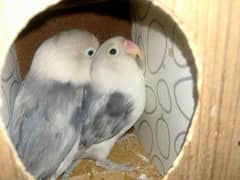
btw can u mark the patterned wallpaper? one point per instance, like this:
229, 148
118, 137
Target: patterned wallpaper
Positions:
170, 84
11, 80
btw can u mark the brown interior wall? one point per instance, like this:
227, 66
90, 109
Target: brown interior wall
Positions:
105, 19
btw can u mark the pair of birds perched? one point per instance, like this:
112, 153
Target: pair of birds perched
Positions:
76, 101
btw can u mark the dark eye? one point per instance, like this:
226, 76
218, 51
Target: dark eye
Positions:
90, 52
113, 51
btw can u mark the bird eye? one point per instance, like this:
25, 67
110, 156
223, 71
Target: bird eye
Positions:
113, 51
90, 52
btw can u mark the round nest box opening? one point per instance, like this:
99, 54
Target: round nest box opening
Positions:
169, 68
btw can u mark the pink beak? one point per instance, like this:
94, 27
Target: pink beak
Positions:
132, 49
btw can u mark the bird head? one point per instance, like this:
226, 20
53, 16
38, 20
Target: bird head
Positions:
118, 48
65, 57
116, 61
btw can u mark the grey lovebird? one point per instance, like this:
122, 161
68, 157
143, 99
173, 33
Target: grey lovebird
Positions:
113, 102
45, 127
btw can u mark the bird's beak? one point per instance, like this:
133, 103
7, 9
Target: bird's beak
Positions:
132, 49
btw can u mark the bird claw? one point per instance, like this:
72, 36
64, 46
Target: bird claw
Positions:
70, 169
65, 175
110, 165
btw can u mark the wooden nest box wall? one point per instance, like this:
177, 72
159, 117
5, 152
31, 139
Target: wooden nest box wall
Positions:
190, 126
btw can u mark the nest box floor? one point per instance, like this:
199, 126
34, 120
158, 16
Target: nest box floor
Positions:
127, 150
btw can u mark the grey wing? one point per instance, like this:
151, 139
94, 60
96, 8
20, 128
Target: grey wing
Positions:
44, 128
106, 117
21, 100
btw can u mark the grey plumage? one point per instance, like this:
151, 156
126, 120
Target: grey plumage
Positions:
105, 116
42, 121
45, 128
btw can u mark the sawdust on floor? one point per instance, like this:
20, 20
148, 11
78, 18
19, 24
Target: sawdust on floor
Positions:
127, 150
